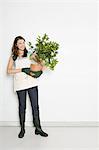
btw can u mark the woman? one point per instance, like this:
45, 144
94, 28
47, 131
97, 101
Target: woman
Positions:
24, 83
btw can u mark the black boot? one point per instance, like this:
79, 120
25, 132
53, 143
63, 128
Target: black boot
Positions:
38, 129
41, 132
22, 124
21, 134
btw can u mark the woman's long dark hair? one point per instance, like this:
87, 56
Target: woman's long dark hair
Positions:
15, 48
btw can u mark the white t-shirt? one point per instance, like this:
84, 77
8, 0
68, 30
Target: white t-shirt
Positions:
21, 79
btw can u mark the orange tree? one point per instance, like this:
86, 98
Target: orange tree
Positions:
46, 50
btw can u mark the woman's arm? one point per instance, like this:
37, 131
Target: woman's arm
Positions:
10, 69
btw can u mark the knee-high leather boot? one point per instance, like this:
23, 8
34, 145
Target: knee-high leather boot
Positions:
22, 124
37, 124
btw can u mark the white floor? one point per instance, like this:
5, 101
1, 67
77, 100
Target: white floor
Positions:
60, 138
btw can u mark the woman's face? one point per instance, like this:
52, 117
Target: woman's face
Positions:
21, 44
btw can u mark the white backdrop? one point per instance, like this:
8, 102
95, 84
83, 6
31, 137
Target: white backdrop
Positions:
70, 92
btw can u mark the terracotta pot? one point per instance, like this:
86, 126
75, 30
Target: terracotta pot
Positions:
36, 67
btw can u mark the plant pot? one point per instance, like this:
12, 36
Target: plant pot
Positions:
36, 67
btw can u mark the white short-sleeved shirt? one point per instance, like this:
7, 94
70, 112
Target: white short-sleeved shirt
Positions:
21, 79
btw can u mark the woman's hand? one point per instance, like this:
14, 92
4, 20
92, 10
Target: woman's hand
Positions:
44, 68
39, 61
34, 57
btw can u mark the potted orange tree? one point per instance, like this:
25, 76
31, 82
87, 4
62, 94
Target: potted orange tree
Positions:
44, 54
